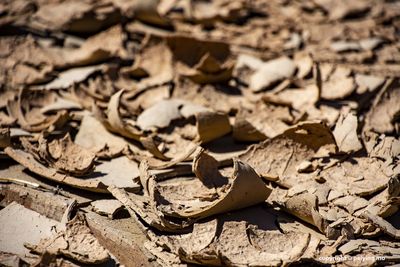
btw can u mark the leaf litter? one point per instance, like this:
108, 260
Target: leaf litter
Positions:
227, 133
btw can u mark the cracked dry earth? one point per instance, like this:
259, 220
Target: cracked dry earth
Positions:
196, 132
